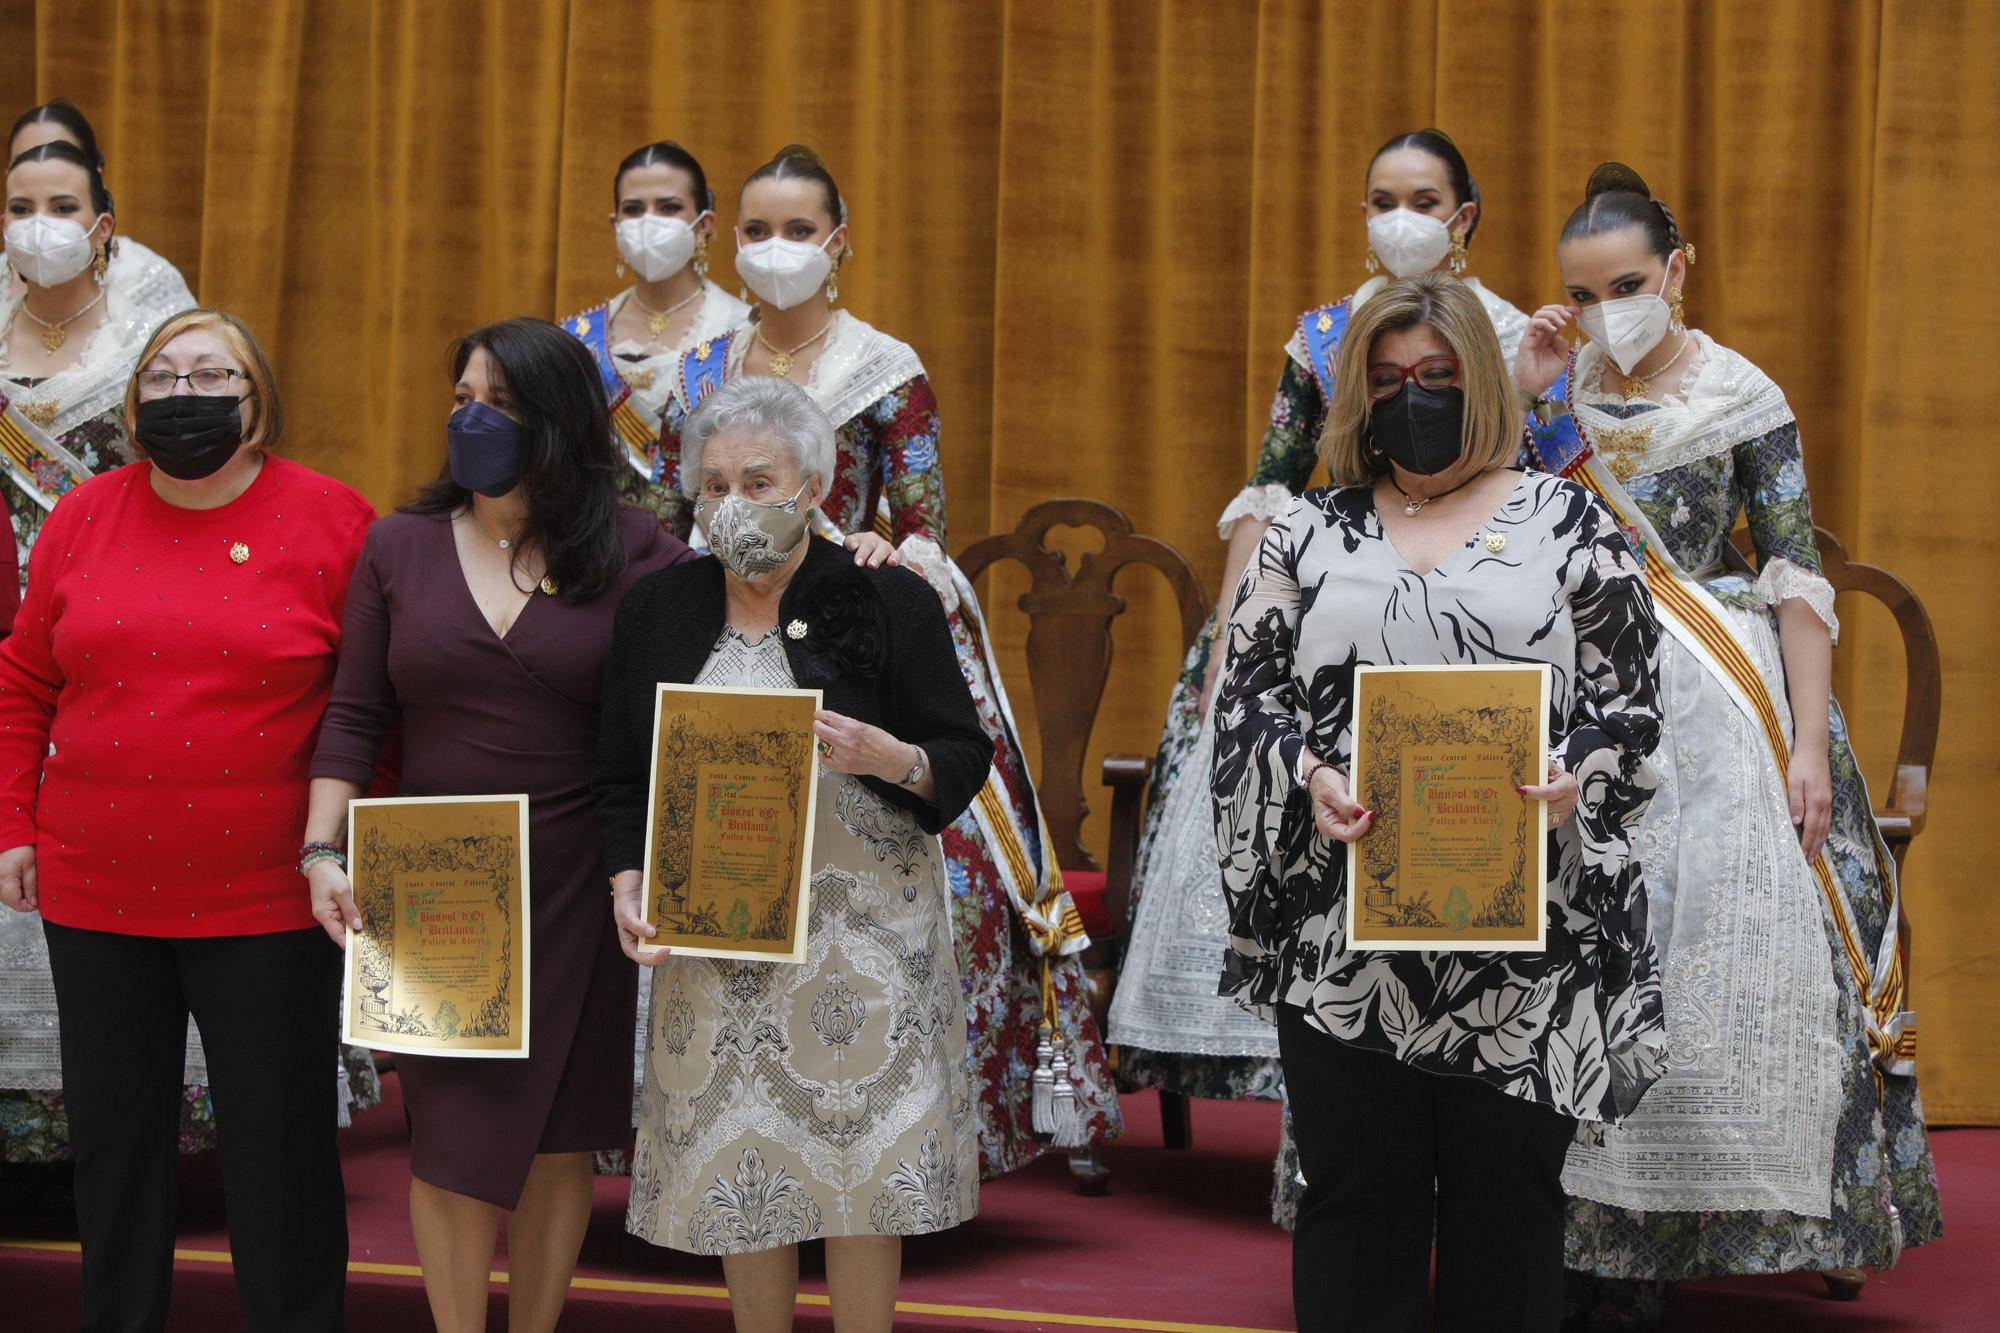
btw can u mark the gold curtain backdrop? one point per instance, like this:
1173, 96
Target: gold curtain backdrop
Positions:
1097, 220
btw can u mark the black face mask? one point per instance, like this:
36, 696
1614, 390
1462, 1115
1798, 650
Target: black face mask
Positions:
485, 450
1420, 430
190, 435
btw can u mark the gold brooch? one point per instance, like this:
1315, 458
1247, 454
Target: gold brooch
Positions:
582, 326
701, 350
238, 552
796, 630
549, 585
1496, 542
1325, 321
638, 378
44, 413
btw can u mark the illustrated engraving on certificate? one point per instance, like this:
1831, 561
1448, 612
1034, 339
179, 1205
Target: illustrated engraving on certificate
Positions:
729, 821
1455, 857
439, 965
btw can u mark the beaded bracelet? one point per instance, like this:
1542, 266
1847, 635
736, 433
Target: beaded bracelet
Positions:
313, 853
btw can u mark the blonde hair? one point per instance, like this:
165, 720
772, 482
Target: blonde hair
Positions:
1492, 417
269, 421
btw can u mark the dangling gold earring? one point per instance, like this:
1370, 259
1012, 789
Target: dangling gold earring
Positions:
1675, 311
621, 270
1371, 263
1687, 248
102, 262
1457, 252
743, 292
833, 282
701, 259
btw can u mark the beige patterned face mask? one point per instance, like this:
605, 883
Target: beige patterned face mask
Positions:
752, 539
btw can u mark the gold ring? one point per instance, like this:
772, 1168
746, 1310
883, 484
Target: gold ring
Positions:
824, 748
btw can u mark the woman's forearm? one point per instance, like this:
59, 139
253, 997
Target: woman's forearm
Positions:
1808, 650
326, 809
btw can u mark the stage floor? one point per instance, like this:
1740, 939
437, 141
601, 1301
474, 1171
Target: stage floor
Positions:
1181, 1245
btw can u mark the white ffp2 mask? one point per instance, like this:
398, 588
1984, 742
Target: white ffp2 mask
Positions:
656, 247
1628, 327
1407, 242
48, 251
784, 272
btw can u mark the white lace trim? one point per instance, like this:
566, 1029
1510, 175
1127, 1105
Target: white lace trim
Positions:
95, 384
923, 556
1263, 503
1509, 324
1724, 400
859, 365
1783, 580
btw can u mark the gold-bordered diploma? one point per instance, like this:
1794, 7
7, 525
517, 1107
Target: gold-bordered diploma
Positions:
439, 964
729, 821
1456, 857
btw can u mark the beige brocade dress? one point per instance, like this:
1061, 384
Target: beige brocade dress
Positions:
785, 1103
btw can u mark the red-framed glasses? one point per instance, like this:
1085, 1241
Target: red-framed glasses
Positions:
1386, 378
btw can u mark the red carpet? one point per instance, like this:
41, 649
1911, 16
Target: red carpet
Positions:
1182, 1243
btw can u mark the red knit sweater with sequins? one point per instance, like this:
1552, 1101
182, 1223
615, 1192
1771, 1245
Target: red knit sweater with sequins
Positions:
161, 694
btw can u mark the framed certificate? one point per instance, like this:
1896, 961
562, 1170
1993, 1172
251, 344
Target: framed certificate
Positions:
1456, 858
439, 964
729, 821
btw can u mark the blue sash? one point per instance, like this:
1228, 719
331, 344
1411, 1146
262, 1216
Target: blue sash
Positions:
1558, 446
1321, 329
592, 328
702, 369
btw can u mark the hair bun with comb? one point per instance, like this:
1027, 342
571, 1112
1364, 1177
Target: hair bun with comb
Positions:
1611, 176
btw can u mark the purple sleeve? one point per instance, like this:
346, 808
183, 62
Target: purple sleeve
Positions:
362, 710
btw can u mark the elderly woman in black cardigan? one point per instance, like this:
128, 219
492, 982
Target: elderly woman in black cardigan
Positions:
831, 1099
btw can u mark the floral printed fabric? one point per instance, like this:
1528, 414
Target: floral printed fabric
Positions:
1884, 1184
1577, 1027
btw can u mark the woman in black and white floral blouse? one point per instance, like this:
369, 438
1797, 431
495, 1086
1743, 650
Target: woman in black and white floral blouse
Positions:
1465, 1071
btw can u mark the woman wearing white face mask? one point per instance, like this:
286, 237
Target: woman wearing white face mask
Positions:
67, 341
139, 274
1016, 925
1422, 208
663, 221
1787, 1133
741, 1152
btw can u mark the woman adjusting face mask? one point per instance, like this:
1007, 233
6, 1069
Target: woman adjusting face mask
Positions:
1628, 327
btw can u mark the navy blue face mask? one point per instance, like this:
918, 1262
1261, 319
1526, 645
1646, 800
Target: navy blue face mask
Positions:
486, 450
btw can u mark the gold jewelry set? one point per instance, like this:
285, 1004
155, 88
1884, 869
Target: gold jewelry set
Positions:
656, 320
782, 360
55, 332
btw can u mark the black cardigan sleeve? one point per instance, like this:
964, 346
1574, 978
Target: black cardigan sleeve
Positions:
624, 734
926, 702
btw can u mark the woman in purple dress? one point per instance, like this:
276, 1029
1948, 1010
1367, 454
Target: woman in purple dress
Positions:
479, 619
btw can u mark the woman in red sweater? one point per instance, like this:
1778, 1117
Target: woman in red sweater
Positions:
159, 699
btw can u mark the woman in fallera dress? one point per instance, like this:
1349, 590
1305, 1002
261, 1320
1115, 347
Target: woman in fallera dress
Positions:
145, 278
1787, 1133
1014, 922
663, 224
1174, 1032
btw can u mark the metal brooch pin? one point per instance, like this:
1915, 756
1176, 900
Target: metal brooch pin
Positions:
238, 552
796, 630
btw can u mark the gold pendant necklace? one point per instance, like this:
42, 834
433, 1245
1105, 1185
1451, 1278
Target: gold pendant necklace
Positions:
656, 320
1637, 388
53, 334
782, 362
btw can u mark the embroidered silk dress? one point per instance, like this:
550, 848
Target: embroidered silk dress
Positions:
638, 379
1008, 904
1765, 1147
785, 1103
1175, 1032
1577, 1026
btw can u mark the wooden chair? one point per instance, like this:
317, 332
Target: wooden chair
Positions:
1901, 817
1070, 614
